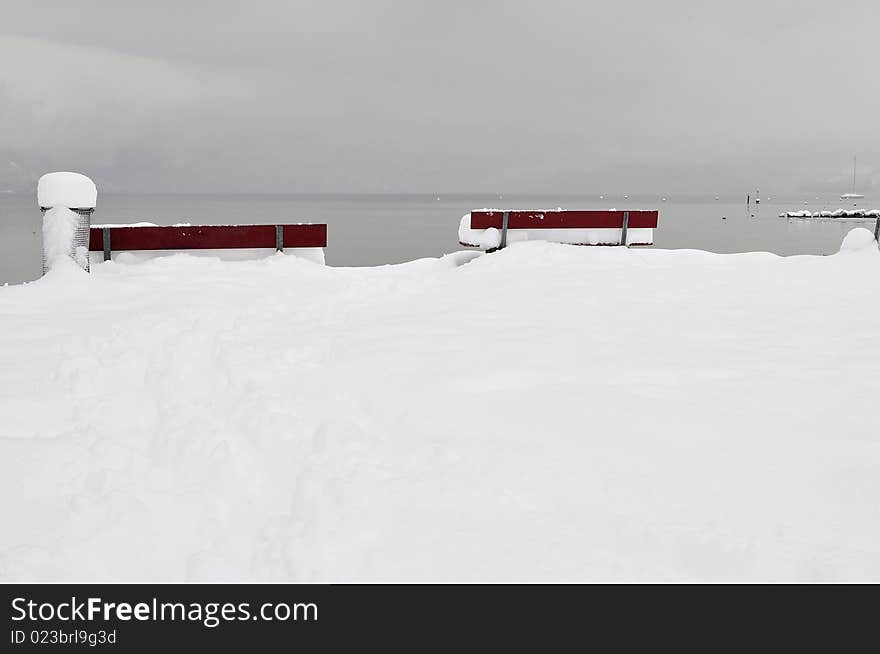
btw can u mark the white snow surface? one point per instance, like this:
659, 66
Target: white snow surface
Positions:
64, 189
547, 412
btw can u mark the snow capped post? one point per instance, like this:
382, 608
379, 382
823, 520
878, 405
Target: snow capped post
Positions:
67, 201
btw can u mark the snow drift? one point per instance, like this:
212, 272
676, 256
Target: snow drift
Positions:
544, 413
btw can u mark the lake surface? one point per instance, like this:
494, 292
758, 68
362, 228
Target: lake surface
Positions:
367, 230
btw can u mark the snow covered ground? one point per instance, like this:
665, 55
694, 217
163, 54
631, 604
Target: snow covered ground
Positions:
547, 412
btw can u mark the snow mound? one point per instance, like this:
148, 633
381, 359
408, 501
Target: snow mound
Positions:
857, 240
543, 413
71, 190
481, 238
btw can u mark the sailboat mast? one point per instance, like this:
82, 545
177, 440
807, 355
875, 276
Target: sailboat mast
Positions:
854, 174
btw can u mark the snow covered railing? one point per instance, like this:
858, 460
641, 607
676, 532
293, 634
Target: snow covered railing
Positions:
492, 229
224, 241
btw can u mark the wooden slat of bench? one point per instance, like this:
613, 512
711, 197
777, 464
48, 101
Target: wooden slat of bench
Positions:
208, 237
564, 219
305, 236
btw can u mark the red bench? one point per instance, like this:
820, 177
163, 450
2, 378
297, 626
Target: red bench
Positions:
580, 226
206, 237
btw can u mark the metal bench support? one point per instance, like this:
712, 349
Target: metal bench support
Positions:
625, 227
279, 238
105, 232
504, 220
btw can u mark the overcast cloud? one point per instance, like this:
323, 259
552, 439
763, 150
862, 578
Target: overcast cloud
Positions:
417, 95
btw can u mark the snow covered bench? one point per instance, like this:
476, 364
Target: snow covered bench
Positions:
231, 242
491, 229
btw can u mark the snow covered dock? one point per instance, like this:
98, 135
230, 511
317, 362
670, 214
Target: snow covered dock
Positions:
837, 213
543, 413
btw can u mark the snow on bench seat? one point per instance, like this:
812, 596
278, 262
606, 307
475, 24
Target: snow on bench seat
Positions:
482, 228
228, 242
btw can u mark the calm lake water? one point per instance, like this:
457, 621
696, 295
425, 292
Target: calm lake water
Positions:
367, 230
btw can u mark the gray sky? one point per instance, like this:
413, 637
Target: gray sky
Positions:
419, 95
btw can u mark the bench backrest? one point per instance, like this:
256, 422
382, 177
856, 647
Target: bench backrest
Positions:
563, 219
207, 237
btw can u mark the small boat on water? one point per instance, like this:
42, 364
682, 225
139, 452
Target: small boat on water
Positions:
853, 195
